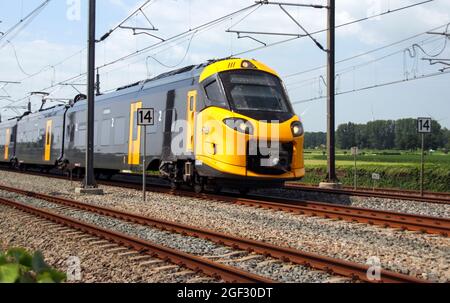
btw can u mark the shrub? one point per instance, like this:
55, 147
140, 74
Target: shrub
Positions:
18, 266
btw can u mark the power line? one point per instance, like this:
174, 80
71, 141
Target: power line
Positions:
139, 9
197, 29
181, 35
360, 65
365, 53
375, 86
337, 26
16, 28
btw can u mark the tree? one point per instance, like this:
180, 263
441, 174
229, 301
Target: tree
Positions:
406, 136
346, 135
381, 134
315, 139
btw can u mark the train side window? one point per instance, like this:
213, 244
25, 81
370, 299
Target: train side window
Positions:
191, 103
119, 131
106, 132
214, 94
135, 127
81, 134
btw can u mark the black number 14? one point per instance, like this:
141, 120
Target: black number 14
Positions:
425, 124
148, 117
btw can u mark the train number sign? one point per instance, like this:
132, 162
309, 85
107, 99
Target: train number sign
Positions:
146, 117
424, 125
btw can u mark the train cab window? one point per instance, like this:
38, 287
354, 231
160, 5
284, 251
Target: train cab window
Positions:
214, 94
249, 90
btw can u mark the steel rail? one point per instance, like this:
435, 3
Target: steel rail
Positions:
405, 221
441, 198
331, 265
195, 263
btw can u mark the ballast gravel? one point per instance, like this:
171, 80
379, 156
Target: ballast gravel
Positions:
256, 264
97, 264
420, 255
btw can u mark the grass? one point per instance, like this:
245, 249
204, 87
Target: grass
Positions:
398, 169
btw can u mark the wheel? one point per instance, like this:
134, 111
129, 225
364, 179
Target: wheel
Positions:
198, 188
175, 185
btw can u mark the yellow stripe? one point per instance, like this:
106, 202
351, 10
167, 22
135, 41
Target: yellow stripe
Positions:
191, 120
232, 64
48, 140
134, 146
7, 141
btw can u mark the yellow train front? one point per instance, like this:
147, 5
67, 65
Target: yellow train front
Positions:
247, 135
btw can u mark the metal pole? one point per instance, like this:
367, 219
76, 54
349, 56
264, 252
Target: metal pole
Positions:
144, 166
90, 178
422, 166
355, 171
331, 167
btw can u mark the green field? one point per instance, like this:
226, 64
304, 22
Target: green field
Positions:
398, 169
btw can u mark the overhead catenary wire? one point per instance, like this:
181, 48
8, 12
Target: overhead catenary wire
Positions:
375, 86
212, 23
366, 52
363, 64
16, 28
158, 44
390, 11
139, 9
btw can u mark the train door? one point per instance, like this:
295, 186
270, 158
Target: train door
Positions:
7, 142
190, 117
134, 142
48, 140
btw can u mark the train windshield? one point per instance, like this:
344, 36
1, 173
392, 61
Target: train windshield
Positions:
249, 90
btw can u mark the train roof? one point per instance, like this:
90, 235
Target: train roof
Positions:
184, 73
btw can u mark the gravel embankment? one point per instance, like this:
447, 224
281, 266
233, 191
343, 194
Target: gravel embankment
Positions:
258, 264
99, 262
420, 255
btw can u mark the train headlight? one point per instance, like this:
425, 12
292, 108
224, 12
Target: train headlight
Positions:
297, 129
239, 125
247, 64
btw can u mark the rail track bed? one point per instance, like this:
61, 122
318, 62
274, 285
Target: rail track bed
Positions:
329, 265
412, 253
96, 260
411, 222
195, 263
429, 197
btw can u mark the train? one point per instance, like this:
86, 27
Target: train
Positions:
222, 123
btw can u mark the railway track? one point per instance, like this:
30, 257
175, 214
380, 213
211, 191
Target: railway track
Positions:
195, 263
404, 221
441, 198
383, 218
323, 263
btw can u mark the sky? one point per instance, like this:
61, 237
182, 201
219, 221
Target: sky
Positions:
60, 32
